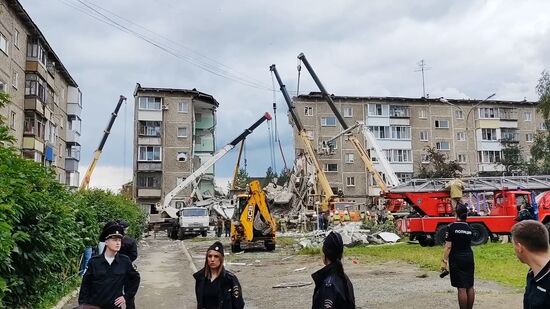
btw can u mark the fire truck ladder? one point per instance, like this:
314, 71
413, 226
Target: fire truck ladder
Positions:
477, 184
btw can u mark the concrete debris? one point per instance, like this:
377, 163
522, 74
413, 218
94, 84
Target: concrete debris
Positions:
291, 285
352, 235
287, 258
236, 264
300, 269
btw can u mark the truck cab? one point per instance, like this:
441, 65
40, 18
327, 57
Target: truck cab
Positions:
193, 221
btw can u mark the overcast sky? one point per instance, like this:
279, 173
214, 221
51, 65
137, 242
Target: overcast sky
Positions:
362, 48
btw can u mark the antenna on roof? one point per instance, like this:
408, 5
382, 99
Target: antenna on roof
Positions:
421, 68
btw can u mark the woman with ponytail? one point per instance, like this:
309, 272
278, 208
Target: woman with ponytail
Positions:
333, 289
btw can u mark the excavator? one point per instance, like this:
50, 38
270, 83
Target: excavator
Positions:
252, 220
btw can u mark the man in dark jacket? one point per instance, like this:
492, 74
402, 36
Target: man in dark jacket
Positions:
333, 289
110, 279
129, 245
216, 287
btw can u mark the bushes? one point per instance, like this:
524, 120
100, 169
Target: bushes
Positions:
44, 228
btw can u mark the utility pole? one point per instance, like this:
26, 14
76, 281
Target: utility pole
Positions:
422, 67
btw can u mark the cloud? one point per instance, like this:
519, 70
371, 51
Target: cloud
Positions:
108, 177
358, 48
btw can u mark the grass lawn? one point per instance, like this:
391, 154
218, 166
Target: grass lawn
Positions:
495, 262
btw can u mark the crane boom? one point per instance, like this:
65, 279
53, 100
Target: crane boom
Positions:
203, 168
322, 177
356, 143
86, 181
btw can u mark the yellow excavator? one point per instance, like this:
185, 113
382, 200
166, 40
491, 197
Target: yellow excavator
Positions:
252, 221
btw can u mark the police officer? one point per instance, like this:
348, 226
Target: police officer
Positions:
129, 245
459, 257
215, 287
333, 289
110, 279
530, 239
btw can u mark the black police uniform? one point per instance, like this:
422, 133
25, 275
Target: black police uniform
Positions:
537, 290
331, 291
103, 283
223, 293
461, 257
129, 248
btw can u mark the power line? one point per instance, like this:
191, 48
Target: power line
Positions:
213, 69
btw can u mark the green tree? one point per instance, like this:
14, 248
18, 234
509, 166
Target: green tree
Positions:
284, 177
439, 166
512, 158
269, 175
5, 133
540, 150
242, 179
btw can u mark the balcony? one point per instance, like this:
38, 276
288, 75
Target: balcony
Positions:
143, 193
72, 179
33, 143
509, 138
72, 136
204, 143
33, 65
74, 109
71, 165
74, 96
397, 111
149, 166
35, 104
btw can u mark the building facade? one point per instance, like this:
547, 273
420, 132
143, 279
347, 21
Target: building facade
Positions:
45, 102
468, 131
174, 133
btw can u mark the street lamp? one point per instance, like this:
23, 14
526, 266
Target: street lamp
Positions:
443, 100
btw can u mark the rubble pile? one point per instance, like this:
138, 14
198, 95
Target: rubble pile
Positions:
352, 235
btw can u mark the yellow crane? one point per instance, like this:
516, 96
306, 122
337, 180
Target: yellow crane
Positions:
86, 180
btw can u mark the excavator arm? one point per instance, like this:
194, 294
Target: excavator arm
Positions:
257, 200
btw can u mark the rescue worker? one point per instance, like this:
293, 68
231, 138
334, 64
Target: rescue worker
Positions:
455, 186
110, 280
227, 225
336, 218
216, 287
530, 239
282, 223
458, 258
333, 289
347, 217
390, 216
219, 227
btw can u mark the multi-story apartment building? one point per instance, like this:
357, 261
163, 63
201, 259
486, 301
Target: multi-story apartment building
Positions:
468, 131
45, 102
174, 133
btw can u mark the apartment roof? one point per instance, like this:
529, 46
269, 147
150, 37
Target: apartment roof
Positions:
317, 96
197, 94
35, 32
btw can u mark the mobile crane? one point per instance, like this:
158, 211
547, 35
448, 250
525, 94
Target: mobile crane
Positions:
365, 157
328, 194
86, 180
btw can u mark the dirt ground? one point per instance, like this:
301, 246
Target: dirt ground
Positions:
167, 281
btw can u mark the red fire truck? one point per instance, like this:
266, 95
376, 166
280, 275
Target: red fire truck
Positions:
495, 205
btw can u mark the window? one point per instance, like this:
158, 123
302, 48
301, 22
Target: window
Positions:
488, 112
148, 181
424, 158
422, 114
182, 132
198, 117
459, 114
3, 43
398, 155
489, 134
443, 145
331, 167
460, 136
349, 157
35, 50
149, 153
529, 137
376, 110
328, 121
442, 124
399, 111
149, 128
16, 39
404, 177
181, 156
527, 116
350, 181
348, 112
12, 120
380, 132
401, 133
2, 86
15, 81
424, 136
308, 111
332, 145
542, 126
150, 103
183, 107
489, 156
310, 135
461, 158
